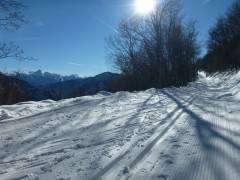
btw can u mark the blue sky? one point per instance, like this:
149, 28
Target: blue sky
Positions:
68, 36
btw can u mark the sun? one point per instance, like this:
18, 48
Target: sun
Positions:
145, 6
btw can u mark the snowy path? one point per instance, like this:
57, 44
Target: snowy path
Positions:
187, 133
203, 144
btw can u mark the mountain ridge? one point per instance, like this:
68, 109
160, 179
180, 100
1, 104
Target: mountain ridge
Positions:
85, 86
39, 78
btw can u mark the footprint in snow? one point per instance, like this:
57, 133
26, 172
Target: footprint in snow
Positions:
174, 141
149, 163
169, 162
164, 156
8, 138
175, 146
79, 146
162, 176
191, 153
46, 168
143, 170
193, 135
126, 170
74, 140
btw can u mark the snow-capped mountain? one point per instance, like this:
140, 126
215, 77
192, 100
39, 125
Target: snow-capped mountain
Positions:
84, 86
39, 78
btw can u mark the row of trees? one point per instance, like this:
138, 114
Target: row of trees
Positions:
224, 42
155, 51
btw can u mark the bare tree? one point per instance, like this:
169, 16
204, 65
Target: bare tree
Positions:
156, 51
124, 50
11, 19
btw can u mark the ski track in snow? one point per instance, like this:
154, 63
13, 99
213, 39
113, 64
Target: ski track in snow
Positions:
187, 133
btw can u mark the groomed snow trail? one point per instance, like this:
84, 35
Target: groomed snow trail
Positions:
187, 133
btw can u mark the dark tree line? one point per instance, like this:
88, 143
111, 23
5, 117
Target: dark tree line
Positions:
159, 50
224, 42
11, 90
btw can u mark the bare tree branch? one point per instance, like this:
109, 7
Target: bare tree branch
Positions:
13, 51
11, 17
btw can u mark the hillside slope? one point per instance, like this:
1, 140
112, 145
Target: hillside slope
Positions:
187, 133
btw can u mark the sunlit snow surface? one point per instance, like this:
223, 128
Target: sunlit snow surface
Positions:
187, 133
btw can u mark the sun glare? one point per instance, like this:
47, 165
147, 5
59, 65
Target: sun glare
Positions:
145, 6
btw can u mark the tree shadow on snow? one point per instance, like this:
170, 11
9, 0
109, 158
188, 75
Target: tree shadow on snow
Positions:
219, 148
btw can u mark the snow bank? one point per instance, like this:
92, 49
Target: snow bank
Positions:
4, 114
25, 109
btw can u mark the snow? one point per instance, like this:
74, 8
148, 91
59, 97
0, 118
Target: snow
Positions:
183, 133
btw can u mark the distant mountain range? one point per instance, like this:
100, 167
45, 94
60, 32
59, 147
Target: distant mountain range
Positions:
84, 86
37, 85
39, 78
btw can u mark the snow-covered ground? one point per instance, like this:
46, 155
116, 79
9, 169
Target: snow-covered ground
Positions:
187, 133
